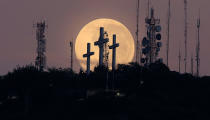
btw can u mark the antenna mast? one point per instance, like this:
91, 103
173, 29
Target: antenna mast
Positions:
168, 32
185, 34
198, 46
72, 51
40, 62
179, 60
137, 33
192, 64
148, 8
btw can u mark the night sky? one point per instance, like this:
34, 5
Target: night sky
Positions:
65, 18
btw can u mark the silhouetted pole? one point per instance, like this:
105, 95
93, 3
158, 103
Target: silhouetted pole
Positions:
72, 49
137, 34
100, 43
148, 8
179, 57
198, 47
168, 32
87, 55
185, 34
192, 64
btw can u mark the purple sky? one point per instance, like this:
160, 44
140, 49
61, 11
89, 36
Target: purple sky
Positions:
65, 18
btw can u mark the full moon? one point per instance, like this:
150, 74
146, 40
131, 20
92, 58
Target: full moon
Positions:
90, 34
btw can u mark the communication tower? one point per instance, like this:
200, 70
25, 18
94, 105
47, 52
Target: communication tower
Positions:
41, 46
151, 44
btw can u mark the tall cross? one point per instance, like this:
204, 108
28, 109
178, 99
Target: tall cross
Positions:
100, 43
87, 55
113, 47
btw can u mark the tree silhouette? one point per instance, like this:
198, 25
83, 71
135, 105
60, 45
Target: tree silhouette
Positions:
149, 92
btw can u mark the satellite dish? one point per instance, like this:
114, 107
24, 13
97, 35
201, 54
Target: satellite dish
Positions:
145, 42
149, 34
145, 50
143, 60
158, 28
160, 60
158, 36
158, 50
148, 48
149, 27
159, 44
148, 21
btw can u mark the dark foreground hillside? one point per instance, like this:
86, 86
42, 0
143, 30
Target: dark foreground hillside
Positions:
133, 93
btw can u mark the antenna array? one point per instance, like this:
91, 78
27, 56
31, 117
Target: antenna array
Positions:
151, 44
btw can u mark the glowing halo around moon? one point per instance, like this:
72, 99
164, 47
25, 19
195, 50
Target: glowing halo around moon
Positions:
90, 33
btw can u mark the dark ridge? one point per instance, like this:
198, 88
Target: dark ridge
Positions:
133, 93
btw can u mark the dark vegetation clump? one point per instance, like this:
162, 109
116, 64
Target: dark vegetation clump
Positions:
131, 92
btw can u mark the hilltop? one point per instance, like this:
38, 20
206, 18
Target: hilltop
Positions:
152, 92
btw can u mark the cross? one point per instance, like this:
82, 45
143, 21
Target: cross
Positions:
87, 55
113, 47
100, 43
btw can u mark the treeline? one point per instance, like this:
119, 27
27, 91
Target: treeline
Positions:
152, 92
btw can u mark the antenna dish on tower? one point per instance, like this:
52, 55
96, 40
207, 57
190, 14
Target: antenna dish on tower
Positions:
158, 28
158, 36
159, 44
145, 42
143, 60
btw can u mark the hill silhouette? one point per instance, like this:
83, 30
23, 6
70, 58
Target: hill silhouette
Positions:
132, 92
